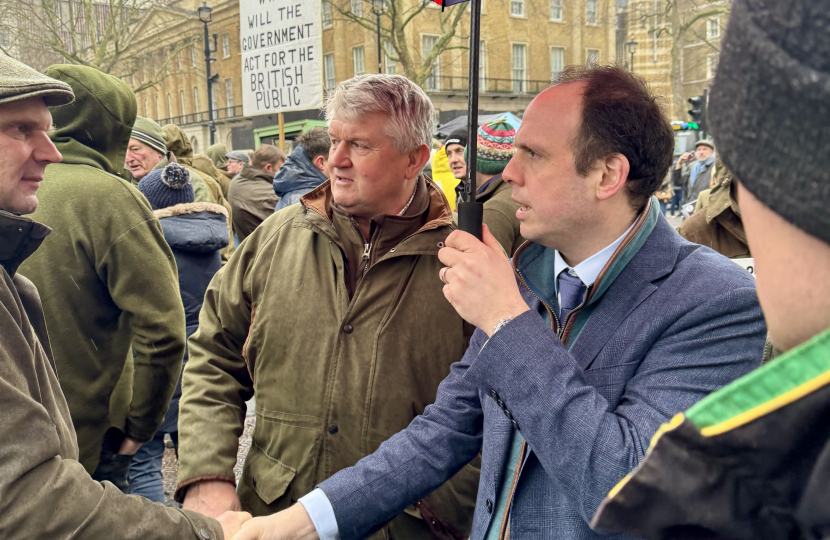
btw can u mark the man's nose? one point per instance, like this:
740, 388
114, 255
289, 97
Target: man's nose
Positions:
338, 157
45, 150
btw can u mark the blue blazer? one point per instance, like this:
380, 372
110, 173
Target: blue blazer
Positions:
677, 323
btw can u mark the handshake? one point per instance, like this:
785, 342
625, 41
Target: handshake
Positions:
219, 500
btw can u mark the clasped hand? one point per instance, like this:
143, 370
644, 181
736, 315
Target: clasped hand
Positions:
479, 280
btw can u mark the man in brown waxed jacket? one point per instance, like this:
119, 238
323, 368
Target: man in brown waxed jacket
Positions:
45, 493
331, 314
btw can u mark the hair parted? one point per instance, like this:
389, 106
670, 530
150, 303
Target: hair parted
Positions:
315, 142
620, 115
411, 114
265, 154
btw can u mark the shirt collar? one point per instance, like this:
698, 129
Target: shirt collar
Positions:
589, 269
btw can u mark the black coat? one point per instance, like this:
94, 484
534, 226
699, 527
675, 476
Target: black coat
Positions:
196, 232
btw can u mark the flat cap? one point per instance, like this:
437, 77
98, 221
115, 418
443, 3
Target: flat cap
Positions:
18, 82
705, 142
239, 155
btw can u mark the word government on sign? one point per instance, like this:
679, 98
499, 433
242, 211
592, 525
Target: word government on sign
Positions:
281, 60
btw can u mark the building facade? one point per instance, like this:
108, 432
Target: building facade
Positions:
678, 43
524, 44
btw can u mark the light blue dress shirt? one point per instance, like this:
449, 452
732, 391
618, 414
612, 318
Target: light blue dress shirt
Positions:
317, 504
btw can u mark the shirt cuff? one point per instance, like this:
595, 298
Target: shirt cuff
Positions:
322, 514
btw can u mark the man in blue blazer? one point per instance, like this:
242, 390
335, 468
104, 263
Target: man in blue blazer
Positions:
605, 325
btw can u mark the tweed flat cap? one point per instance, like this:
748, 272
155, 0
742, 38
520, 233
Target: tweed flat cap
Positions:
770, 105
239, 155
18, 82
705, 142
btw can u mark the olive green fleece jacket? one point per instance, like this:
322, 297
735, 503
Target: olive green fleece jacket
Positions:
44, 492
106, 275
333, 377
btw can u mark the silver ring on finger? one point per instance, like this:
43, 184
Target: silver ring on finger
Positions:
442, 274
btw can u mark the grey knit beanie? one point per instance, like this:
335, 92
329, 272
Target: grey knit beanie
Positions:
769, 108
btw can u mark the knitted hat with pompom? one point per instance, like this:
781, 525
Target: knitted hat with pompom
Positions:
167, 187
495, 146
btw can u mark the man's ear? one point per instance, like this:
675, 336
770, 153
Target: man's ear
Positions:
614, 170
417, 159
320, 163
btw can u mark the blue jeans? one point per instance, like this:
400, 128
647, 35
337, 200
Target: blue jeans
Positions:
676, 201
145, 469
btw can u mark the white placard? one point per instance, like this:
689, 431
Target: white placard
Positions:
746, 264
282, 55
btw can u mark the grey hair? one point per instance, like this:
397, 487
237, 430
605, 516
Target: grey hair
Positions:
411, 114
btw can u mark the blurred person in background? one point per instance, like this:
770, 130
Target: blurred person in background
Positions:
251, 192
196, 232
305, 168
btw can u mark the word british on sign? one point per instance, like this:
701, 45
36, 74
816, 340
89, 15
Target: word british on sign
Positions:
281, 55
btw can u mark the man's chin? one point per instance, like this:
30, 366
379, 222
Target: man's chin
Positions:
26, 205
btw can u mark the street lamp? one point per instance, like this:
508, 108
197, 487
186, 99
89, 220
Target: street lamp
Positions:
630, 48
204, 15
377, 9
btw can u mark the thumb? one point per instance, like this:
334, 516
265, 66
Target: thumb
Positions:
490, 241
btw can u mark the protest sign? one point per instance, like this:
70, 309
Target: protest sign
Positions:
281, 43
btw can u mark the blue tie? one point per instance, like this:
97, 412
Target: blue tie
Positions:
571, 294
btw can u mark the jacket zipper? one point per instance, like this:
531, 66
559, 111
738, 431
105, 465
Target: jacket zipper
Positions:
367, 245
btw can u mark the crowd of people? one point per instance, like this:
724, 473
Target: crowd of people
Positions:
584, 371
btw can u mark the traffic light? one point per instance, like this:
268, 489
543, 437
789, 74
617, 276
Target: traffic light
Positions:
698, 112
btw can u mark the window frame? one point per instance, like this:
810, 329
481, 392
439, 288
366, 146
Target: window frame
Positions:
522, 89
595, 21
561, 11
354, 60
558, 48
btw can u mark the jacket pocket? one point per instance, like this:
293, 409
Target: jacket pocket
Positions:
268, 477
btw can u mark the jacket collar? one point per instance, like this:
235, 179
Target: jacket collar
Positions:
250, 172
647, 254
316, 205
19, 238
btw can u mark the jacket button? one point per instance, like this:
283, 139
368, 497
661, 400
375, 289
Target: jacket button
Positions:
489, 505
333, 429
204, 533
493, 394
348, 329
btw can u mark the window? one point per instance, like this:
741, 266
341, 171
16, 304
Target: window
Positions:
195, 99
359, 61
517, 8
229, 94
226, 45
214, 101
591, 12
357, 8
192, 56
713, 28
179, 60
327, 14
482, 67
557, 61
592, 57
519, 68
132, 79
181, 99
711, 65
556, 10
146, 110
434, 80
156, 99
391, 65
169, 106
328, 65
